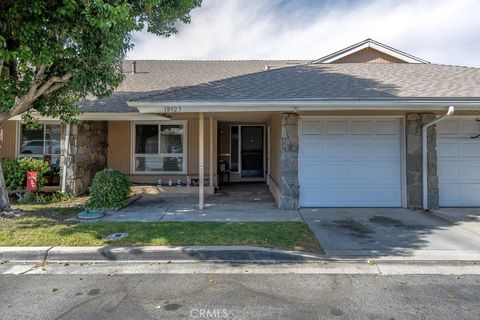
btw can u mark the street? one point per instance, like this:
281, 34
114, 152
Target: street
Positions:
239, 296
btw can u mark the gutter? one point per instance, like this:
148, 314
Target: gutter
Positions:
425, 127
185, 106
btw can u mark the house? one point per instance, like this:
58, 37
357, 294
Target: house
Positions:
341, 131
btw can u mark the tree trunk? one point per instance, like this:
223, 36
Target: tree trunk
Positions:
4, 201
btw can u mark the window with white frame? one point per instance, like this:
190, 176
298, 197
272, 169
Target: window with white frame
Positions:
159, 148
41, 142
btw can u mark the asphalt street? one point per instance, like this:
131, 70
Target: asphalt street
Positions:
239, 296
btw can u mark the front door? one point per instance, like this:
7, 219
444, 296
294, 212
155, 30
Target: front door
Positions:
251, 150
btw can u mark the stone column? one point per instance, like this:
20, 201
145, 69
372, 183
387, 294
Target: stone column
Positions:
413, 131
88, 154
289, 187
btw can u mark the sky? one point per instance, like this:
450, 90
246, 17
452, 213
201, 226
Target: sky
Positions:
439, 31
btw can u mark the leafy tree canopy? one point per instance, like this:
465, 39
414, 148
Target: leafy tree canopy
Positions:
56, 52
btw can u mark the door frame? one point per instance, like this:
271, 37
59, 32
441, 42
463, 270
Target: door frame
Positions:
239, 172
403, 153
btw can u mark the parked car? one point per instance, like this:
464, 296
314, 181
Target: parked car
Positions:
36, 147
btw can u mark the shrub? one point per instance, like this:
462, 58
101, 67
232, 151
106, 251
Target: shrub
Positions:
15, 172
43, 198
110, 190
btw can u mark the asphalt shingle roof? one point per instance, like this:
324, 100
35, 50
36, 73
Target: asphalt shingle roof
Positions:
286, 80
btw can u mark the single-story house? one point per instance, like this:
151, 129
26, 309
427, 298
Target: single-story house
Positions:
341, 131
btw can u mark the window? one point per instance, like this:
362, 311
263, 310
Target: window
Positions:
159, 148
42, 143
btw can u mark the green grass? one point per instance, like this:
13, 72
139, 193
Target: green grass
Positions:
48, 231
57, 210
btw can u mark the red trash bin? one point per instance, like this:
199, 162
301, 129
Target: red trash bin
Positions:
32, 181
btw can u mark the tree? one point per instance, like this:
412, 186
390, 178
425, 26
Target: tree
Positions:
54, 53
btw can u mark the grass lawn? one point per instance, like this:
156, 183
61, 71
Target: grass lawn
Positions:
45, 226
58, 210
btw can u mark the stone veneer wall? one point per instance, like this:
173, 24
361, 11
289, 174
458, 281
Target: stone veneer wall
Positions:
88, 154
289, 187
413, 131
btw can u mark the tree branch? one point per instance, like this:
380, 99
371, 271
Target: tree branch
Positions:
55, 87
25, 102
50, 82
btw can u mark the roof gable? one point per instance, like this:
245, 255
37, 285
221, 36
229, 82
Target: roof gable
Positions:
370, 50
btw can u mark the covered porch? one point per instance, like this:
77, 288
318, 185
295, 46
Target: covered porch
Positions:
221, 149
235, 202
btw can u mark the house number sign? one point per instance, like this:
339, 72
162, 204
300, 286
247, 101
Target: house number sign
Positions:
172, 109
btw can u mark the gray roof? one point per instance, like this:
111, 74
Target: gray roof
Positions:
287, 80
155, 76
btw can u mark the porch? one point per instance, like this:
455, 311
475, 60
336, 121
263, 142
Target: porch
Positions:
236, 202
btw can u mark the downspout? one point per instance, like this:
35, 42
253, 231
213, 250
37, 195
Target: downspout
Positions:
449, 113
65, 158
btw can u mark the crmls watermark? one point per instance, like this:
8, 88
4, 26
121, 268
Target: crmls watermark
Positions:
199, 313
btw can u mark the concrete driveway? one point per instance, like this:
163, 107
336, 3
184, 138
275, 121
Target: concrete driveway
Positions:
391, 233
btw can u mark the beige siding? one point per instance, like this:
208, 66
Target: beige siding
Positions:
275, 165
369, 55
7, 148
119, 145
192, 147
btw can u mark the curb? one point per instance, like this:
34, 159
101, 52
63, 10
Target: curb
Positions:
156, 253
24, 253
193, 254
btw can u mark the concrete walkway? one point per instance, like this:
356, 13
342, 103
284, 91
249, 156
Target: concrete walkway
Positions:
149, 209
234, 203
390, 233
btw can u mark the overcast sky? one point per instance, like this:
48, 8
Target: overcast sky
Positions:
440, 31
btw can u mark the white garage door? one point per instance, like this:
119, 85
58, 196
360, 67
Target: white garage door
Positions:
350, 162
458, 162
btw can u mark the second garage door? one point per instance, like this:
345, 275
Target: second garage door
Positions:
458, 150
350, 162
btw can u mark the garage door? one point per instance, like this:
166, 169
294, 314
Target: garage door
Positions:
350, 162
458, 162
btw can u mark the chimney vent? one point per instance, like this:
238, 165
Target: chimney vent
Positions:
134, 67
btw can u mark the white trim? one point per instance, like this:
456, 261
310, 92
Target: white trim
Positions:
349, 117
18, 130
304, 105
184, 155
369, 43
403, 169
